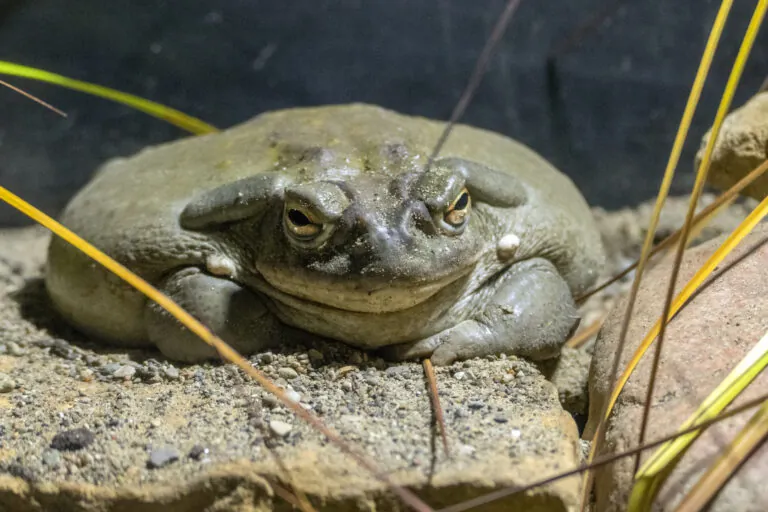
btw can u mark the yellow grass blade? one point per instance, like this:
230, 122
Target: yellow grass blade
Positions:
751, 436
224, 350
657, 467
674, 157
176, 118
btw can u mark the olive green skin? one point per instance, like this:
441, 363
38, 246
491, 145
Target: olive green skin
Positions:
203, 219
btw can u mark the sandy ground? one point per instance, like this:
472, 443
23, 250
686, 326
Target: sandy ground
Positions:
76, 413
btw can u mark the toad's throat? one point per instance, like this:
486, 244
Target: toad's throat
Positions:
352, 295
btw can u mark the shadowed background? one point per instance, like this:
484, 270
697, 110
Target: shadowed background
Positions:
605, 111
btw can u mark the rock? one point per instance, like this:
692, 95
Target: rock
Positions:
111, 368
394, 427
703, 343
315, 356
14, 349
293, 396
280, 428
569, 375
72, 440
162, 456
171, 373
198, 451
51, 458
7, 384
287, 373
124, 372
741, 146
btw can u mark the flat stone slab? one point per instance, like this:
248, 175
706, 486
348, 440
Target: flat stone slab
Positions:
136, 432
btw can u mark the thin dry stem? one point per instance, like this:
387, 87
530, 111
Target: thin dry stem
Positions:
733, 456
429, 370
581, 337
33, 98
702, 217
476, 77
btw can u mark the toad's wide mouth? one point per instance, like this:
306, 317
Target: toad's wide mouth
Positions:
358, 294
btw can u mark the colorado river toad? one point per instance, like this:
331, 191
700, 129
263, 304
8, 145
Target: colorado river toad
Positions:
323, 222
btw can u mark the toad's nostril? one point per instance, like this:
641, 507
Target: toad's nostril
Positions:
416, 217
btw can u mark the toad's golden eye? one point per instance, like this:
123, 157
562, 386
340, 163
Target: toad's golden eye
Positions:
300, 224
458, 211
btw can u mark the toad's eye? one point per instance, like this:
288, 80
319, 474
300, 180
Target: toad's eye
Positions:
458, 211
300, 224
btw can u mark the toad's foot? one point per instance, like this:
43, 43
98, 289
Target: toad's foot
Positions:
531, 315
235, 314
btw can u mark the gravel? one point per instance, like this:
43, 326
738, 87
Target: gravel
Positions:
83, 412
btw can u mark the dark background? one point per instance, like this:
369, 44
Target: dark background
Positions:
609, 124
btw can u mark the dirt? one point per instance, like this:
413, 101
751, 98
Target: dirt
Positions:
86, 427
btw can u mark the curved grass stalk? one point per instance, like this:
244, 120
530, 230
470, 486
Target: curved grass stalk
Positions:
674, 157
224, 350
735, 454
657, 467
170, 115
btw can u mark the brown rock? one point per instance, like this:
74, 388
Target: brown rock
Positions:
703, 343
742, 146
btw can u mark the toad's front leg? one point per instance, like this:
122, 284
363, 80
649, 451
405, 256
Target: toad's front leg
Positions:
531, 315
235, 314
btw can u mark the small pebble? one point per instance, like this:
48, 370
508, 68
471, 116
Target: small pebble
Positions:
393, 371
7, 384
51, 458
465, 450
475, 405
15, 350
85, 375
171, 372
270, 401
315, 355
293, 396
162, 456
459, 375
198, 451
287, 373
500, 419
110, 368
280, 428
71, 440
267, 358
124, 372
